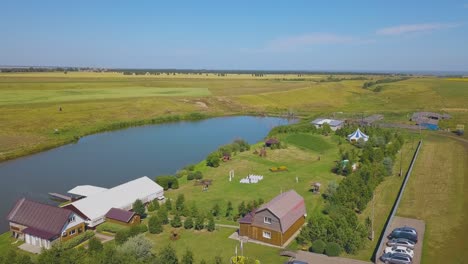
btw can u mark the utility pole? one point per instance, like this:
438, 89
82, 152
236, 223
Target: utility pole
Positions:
372, 226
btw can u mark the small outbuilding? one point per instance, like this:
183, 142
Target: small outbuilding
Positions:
357, 135
119, 216
271, 141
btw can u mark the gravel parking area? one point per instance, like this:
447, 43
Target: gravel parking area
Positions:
415, 223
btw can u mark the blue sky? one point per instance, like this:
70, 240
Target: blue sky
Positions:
288, 35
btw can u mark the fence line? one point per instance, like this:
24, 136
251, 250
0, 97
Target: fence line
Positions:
396, 204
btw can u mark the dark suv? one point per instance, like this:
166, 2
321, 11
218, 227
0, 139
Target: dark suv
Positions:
396, 258
405, 232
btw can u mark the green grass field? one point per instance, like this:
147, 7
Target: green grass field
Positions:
436, 193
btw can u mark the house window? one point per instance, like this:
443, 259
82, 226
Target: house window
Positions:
72, 232
72, 219
64, 234
267, 220
267, 234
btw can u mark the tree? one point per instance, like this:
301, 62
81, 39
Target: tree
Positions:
388, 164
211, 224
176, 221
155, 225
167, 255
194, 211
333, 249
188, 257
216, 210
188, 223
242, 209
139, 207
180, 202
95, 245
199, 222
168, 205
213, 159
229, 209
121, 236
162, 215
137, 246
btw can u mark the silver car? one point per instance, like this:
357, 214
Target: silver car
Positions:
396, 258
401, 242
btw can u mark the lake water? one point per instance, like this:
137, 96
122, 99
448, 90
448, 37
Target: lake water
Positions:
112, 158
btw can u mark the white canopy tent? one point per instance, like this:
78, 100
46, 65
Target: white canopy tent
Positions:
357, 135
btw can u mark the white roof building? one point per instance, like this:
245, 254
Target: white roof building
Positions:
95, 206
333, 123
86, 190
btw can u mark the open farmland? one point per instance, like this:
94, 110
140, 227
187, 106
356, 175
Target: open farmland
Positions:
93, 102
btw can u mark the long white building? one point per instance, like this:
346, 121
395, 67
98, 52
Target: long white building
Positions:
99, 201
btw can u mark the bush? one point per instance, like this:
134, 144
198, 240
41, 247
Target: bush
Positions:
188, 223
123, 235
73, 242
190, 176
95, 245
198, 175
213, 159
176, 221
167, 182
139, 208
190, 167
332, 249
137, 229
182, 173
318, 246
211, 224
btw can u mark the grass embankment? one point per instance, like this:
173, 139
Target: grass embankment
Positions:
436, 193
93, 102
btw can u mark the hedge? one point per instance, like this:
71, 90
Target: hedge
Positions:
73, 242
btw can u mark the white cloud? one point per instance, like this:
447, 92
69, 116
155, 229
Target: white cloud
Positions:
293, 43
414, 28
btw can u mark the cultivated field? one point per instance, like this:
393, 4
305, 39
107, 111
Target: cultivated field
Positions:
92, 102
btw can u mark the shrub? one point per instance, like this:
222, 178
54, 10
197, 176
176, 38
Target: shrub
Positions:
211, 224
332, 249
199, 223
73, 242
190, 176
198, 175
188, 223
318, 246
190, 167
176, 222
95, 245
213, 159
137, 229
167, 182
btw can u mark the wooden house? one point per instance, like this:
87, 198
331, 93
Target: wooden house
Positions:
123, 217
276, 221
43, 225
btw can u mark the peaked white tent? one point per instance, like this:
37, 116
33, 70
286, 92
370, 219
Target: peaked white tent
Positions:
356, 135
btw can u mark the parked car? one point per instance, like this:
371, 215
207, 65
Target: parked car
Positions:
296, 262
401, 242
408, 229
396, 258
400, 249
404, 232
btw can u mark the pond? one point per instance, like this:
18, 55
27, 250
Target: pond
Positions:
112, 158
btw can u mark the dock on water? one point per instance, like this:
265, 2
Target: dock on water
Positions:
59, 196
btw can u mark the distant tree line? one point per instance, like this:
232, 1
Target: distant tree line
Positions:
367, 85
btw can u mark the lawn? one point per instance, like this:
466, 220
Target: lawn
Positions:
315, 143
436, 193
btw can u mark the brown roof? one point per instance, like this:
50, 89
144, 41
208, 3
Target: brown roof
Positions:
41, 219
288, 207
248, 218
120, 215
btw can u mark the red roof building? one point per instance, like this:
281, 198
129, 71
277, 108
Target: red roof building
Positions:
120, 216
276, 221
41, 224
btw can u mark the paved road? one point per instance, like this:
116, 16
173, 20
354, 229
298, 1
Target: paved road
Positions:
420, 227
313, 258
